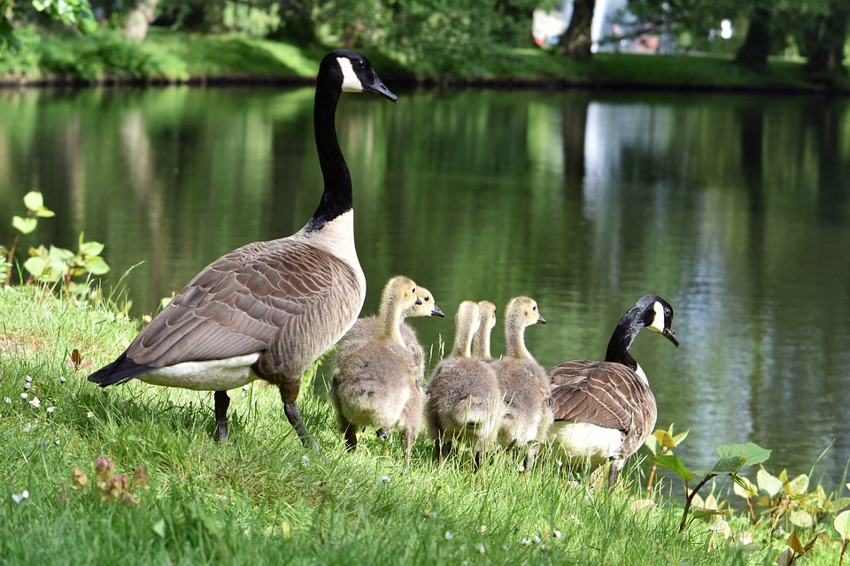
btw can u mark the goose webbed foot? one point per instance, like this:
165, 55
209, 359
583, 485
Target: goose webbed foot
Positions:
382, 433
293, 415
222, 402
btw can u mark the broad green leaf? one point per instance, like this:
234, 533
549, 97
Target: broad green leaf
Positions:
91, 248
801, 519
33, 199
842, 524
729, 465
752, 453
24, 225
652, 444
681, 436
45, 213
837, 504
36, 266
97, 266
672, 462
61, 254
770, 485
77, 288
798, 486
744, 487
665, 440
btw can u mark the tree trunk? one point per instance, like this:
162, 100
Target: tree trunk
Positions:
140, 16
577, 41
756, 47
824, 38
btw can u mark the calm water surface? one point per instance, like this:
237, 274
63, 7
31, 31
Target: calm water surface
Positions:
735, 209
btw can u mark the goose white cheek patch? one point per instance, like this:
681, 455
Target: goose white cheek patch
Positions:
350, 82
658, 322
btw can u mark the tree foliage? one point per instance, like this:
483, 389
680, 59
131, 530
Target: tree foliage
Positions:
72, 13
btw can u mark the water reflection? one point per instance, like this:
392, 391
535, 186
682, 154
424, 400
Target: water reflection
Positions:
735, 209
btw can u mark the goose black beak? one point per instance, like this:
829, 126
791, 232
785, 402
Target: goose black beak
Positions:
378, 87
540, 320
671, 336
436, 311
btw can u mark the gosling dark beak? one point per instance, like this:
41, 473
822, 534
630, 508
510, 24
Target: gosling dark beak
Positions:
418, 301
378, 87
671, 336
540, 320
437, 312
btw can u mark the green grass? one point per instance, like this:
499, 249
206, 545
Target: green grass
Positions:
167, 56
261, 497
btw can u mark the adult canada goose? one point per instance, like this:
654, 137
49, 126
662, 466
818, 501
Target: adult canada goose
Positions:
527, 414
464, 398
377, 384
268, 309
481, 339
604, 411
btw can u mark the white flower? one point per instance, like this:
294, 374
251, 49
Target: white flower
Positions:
385, 479
57, 442
62, 379
17, 498
29, 379
449, 535
24, 395
557, 533
89, 414
51, 409
480, 548
482, 529
35, 402
525, 541
521, 468
535, 538
27, 427
27, 385
7, 399
305, 460
560, 463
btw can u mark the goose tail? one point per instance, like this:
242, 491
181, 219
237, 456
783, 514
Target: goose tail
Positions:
120, 371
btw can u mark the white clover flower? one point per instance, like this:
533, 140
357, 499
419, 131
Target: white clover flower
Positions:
449, 535
17, 498
51, 409
36, 402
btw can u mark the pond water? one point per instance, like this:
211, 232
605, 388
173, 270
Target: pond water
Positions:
733, 208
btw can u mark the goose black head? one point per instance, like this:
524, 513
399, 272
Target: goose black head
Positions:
353, 72
658, 316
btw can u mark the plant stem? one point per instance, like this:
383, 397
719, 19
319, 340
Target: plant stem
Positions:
843, 550
690, 499
11, 255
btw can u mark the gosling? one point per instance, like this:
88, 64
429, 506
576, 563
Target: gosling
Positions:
527, 409
376, 384
464, 397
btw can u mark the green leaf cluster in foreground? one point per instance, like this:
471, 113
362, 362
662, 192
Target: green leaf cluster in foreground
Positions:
70, 449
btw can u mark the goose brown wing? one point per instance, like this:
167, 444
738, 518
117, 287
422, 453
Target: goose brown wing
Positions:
237, 304
605, 394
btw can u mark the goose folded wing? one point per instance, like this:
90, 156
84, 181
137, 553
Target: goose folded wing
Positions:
236, 305
599, 393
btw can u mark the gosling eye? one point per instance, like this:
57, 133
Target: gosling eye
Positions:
534, 308
427, 299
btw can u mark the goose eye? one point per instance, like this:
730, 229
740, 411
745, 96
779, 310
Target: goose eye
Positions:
667, 312
361, 63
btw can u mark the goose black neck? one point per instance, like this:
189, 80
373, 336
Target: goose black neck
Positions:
337, 197
620, 346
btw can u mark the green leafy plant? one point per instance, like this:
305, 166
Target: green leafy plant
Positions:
53, 264
733, 459
662, 442
842, 526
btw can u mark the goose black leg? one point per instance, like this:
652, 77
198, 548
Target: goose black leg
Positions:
293, 415
222, 402
614, 472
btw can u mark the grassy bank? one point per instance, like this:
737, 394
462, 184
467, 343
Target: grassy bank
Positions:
262, 497
169, 57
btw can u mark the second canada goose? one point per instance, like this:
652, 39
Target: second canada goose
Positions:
464, 398
268, 309
524, 382
481, 339
604, 411
376, 384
